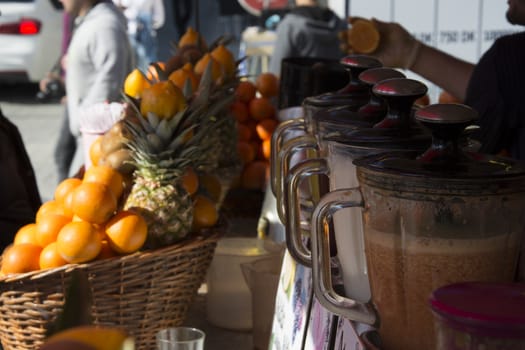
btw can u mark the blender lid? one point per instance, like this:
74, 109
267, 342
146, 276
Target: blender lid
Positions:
445, 158
482, 307
398, 129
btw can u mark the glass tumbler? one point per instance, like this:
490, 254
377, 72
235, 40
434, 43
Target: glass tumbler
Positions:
180, 338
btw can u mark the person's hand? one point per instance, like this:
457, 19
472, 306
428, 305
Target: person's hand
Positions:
397, 47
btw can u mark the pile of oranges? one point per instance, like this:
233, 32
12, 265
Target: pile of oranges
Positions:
256, 115
81, 223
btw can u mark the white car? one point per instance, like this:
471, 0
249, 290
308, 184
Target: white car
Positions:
30, 38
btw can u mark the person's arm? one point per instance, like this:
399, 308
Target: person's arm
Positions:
399, 49
444, 70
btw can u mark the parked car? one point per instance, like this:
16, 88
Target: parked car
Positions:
30, 38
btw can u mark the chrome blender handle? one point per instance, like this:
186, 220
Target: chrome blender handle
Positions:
294, 231
297, 124
320, 252
283, 165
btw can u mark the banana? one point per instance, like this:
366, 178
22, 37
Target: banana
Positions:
89, 338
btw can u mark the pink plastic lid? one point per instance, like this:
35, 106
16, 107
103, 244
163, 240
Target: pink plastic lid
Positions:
483, 309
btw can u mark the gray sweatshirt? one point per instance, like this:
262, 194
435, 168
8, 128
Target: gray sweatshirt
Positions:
307, 31
99, 58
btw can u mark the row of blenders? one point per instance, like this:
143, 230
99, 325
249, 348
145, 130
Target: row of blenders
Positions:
400, 201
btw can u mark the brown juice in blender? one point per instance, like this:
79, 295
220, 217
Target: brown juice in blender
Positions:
402, 278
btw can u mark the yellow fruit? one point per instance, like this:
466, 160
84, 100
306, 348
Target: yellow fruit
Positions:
225, 57
126, 232
163, 99
217, 69
191, 37
135, 83
89, 337
181, 75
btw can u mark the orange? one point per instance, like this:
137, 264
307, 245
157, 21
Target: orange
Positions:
126, 232
183, 74
21, 258
253, 175
67, 205
49, 207
244, 132
95, 151
225, 57
246, 152
266, 148
64, 188
106, 175
267, 84
217, 70
50, 257
261, 108
106, 251
211, 185
26, 234
265, 128
164, 99
93, 202
239, 111
190, 181
204, 213
245, 91
363, 36
48, 227
135, 83
78, 242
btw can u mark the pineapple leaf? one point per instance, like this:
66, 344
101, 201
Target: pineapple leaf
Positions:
153, 120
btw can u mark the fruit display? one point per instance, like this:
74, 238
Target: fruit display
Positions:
256, 117
155, 176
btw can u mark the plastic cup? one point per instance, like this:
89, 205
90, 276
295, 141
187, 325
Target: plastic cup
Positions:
180, 338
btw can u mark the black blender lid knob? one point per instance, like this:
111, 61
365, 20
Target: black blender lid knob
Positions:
447, 113
360, 61
400, 87
373, 76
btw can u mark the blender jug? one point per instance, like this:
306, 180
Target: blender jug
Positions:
444, 216
339, 150
322, 123
354, 93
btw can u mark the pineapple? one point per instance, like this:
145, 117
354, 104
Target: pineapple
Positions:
162, 150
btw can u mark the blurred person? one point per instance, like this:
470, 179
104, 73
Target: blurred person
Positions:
53, 87
144, 17
99, 58
20, 198
310, 29
493, 86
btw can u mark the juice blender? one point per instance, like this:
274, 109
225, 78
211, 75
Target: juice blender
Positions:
429, 219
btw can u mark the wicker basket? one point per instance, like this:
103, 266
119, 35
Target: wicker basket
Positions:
141, 293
